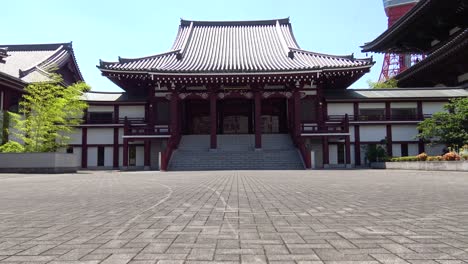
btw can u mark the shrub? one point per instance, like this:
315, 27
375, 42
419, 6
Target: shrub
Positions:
11, 147
450, 156
465, 156
422, 156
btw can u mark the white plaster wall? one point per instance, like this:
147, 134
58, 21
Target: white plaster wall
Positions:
353, 158
132, 111
108, 156
413, 149
75, 136
333, 154
373, 133
92, 156
404, 105
396, 150
121, 131
434, 149
432, 107
351, 134
100, 108
140, 156
404, 132
77, 152
340, 109
100, 136
371, 105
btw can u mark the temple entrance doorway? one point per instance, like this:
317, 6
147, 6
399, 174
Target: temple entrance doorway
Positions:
274, 116
235, 116
197, 114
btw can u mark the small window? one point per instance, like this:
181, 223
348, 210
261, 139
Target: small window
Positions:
404, 113
162, 112
70, 150
100, 156
372, 114
404, 150
341, 154
100, 117
308, 111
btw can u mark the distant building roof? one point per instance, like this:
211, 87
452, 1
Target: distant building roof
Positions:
397, 93
33, 62
236, 47
93, 96
415, 31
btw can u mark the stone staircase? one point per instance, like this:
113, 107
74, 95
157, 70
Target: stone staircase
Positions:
236, 152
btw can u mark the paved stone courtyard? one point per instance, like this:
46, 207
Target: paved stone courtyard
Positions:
357, 216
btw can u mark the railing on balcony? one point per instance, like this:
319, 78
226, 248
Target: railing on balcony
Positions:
144, 130
340, 126
339, 118
111, 120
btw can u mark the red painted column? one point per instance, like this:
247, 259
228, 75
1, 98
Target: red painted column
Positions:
326, 160
213, 118
356, 111
357, 145
147, 150
388, 111
297, 113
115, 154
84, 147
174, 115
348, 150
258, 120
419, 110
125, 153
389, 141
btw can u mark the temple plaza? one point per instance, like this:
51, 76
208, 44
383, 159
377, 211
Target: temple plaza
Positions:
360, 216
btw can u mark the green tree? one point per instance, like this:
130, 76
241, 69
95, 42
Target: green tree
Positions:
47, 113
450, 127
390, 83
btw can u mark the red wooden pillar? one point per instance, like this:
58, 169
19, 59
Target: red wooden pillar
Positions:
326, 160
174, 115
125, 153
357, 145
355, 111
258, 120
297, 113
389, 141
84, 147
348, 150
388, 111
115, 154
419, 110
147, 162
213, 118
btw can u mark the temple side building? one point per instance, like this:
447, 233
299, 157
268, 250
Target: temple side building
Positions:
21, 65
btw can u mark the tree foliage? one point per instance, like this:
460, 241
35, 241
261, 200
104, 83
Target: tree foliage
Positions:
450, 127
48, 111
12, 147
390, 83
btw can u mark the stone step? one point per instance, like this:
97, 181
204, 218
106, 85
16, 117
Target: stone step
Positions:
236, 152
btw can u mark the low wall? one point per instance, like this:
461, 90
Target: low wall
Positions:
423, 165
38, 163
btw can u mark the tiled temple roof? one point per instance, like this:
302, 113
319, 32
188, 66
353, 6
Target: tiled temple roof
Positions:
235, 47
32, 62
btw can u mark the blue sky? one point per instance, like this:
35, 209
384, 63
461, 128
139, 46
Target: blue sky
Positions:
102, 29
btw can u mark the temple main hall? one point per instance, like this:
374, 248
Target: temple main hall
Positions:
235, 81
